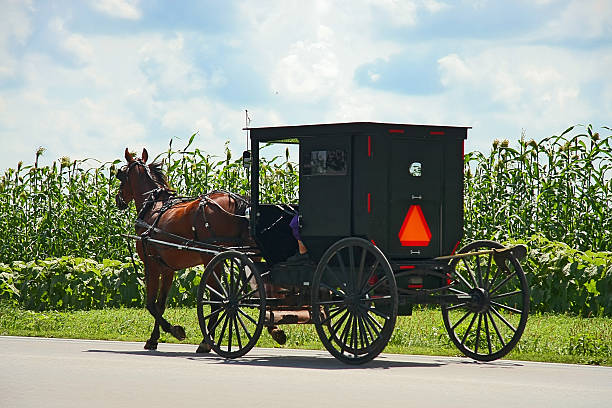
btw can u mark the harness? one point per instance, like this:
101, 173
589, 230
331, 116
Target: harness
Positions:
169, 199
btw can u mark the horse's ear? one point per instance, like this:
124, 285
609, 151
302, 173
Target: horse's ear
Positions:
145, 155
128, 156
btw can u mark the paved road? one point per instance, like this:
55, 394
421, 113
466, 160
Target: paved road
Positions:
37, 372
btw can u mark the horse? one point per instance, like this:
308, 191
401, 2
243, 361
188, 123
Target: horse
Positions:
217, 216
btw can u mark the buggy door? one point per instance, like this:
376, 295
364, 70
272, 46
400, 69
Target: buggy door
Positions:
415, 196
325, 186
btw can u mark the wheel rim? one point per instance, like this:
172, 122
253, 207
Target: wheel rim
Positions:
354, 289
231, 304
490, 323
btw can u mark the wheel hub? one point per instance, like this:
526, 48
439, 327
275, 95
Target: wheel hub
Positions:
480, 300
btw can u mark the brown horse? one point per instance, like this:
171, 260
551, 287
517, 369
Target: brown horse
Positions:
214, 217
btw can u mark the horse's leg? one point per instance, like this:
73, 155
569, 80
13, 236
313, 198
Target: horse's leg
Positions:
204, 347
152, 288
166, 283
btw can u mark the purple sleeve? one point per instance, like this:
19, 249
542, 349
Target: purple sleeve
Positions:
295, 227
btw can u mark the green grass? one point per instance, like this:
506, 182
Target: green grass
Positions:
551, 338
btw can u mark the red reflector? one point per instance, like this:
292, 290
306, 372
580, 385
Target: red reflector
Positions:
455, 248
373, 242
369, 146
369, 202
396, 130
415, 286
407, 267
415, 231
436, 133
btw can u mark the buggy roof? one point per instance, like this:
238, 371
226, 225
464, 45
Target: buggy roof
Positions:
288, 134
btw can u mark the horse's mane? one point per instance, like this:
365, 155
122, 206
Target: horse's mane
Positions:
158, 175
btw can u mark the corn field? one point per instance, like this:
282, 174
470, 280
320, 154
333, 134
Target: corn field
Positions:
68, 209
559, 187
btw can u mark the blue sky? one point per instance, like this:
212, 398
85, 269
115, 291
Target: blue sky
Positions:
89, 78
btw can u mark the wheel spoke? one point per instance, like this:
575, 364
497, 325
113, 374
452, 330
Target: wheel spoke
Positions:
332, 302
479, 271
222, 317
462, 279
215, 292
457, 306
237, 332
246, 331
469, 270
335, 291
499, 336
222, 334
377, 298
333, 275
503, 295
362, 331
211, 302
247, 316
231, 282
216, 312
333, 314
245, 282
468, 330
503, 319
502, 283
489, 263
361, 267
486, 320
220, 285
374, 323
231, 320
248, 295
251, 305
379, 313
460, 292
366, 330
493, 279
460, 320
341, 264
377, 284
508, 308
336, 326
372, 271
478, 333
351, 277
345, 331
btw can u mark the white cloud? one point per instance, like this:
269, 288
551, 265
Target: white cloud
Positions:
581, 19
126, 9
74, 44
310, 70
15, 28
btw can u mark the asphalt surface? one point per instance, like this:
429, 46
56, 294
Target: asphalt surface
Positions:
38, 372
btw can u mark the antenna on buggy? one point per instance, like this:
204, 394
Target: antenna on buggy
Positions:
246, 155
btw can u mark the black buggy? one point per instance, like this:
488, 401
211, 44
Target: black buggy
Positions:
381, 213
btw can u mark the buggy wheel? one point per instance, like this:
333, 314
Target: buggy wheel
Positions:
231, 304
354, 300
489, 323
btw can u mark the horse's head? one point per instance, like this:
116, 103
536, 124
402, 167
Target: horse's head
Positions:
129, 176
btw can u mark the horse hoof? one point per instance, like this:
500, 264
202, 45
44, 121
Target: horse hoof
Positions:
150, 345
179, 332
203, 348
278, 335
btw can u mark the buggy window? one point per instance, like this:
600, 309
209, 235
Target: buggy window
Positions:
326, 163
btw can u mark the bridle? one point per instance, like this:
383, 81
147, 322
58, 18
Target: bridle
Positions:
123, 175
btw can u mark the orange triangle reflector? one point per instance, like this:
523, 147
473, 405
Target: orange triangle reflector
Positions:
415, 231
